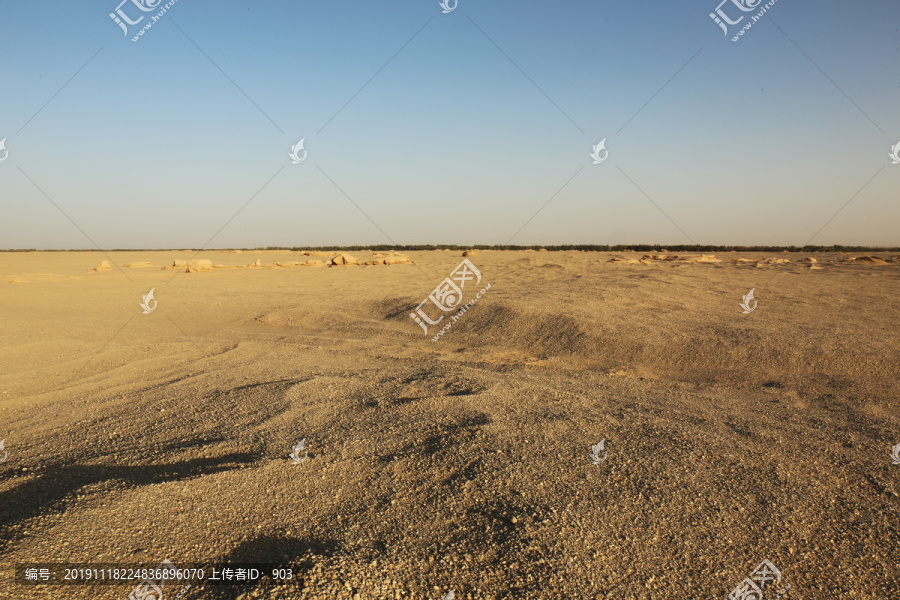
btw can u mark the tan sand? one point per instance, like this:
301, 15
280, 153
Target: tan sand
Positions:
463, 463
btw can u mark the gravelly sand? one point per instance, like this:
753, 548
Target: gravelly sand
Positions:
463, 463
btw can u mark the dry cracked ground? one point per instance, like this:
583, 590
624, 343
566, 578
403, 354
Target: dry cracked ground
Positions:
461, 464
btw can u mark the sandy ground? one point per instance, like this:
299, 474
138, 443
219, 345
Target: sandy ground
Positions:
463, 463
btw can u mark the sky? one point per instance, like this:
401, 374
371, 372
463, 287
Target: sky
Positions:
474, 126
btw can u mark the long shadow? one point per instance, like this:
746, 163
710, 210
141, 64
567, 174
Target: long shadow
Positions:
50, 492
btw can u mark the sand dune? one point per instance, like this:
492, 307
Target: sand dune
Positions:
869, 260
463, 463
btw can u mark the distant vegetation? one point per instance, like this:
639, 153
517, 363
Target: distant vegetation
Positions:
584, 247
617, 248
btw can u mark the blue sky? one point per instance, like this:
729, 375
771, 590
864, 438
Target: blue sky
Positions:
459, 128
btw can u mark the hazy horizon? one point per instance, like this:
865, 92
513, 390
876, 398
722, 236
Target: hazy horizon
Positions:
475, 125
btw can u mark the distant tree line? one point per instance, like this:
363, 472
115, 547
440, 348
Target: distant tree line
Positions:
600, 248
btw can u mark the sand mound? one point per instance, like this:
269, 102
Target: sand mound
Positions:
317, 253
103, 266
139, 265
198, 266
673, 257
808, 260
765, 261
253, 265
388, 258
471, 253
397, 260
193, 266
868, 260
297, 263
774, 261
343, 260
628, 261
703, 258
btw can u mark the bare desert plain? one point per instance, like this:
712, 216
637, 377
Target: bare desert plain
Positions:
460, 464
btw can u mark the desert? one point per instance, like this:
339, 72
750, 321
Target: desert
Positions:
465, 464
449, 300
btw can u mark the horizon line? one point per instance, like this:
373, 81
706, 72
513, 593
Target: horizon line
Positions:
504, 247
